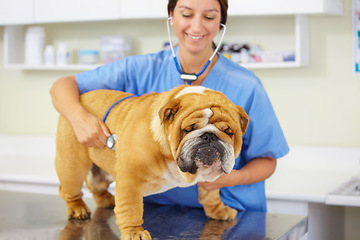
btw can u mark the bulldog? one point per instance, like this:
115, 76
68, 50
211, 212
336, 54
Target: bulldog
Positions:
164, 140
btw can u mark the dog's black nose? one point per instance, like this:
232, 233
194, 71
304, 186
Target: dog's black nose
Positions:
209, 137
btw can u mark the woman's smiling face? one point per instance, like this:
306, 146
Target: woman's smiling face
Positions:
196, 23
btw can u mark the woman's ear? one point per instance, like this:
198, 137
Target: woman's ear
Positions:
171, 20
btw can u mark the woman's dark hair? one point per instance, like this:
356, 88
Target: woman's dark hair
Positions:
223, 6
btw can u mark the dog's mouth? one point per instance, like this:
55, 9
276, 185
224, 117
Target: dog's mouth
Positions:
206, 155
206, 158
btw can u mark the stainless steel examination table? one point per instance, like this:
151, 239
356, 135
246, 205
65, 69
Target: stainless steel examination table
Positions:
26, 216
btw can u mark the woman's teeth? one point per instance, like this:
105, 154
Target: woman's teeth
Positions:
194, 37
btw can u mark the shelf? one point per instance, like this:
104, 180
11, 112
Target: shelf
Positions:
14, 51
269, 65
68, 67
80, 67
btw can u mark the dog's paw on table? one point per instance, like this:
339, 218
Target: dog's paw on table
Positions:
77, 209
135, 233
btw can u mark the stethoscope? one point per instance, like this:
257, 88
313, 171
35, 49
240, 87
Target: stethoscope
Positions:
190, 77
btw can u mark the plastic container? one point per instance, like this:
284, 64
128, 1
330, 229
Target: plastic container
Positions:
34, 45
113, 48
235, 52
245, 56
49, 55
226, 51
88, 56
62, 54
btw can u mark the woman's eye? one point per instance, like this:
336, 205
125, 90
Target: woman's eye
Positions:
210, 17
186, 15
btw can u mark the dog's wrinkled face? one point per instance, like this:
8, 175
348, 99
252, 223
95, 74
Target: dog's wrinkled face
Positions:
205, 132
203, 152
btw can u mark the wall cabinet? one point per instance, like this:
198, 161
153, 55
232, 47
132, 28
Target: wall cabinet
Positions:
16, 12
285, 7
43, 11
148, 9
75, 10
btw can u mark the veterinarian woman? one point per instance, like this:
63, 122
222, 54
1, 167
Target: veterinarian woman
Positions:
196, 23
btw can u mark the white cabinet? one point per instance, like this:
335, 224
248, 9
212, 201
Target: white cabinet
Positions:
16, 12
143, 9
277, 7
45, 11
75, 10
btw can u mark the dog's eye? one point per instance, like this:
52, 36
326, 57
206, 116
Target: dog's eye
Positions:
229, 132
186, 131
189, 128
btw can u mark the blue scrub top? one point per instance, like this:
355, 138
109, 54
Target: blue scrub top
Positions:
157, 73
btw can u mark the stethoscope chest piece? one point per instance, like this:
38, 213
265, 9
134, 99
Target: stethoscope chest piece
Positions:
110, 141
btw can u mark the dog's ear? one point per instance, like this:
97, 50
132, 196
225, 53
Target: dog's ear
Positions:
168, 111
244, 119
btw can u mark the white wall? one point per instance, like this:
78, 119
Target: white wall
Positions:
316, 105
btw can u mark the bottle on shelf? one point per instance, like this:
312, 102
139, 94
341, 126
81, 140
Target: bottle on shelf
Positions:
34, 45
49, 55
62, 54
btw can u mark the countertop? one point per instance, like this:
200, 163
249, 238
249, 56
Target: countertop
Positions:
306, 174
38, 216
310, 174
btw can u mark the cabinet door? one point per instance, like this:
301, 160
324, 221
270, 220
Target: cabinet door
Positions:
75, 10
266, 7
16, 12
143, 9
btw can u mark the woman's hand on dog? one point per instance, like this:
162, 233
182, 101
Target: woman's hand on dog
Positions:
89, 130
257, 170
225, 180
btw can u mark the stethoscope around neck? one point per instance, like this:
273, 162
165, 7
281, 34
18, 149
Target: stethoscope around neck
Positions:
190, 77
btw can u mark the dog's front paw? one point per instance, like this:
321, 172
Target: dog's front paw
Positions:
221, 213
135, 233
77, 210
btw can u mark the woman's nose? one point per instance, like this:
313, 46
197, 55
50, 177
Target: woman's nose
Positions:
196, 25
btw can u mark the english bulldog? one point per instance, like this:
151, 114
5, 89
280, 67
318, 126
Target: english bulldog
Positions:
164, 140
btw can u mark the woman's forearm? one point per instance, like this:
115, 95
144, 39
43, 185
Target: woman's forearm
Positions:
257, 170
89, 130
65, 96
